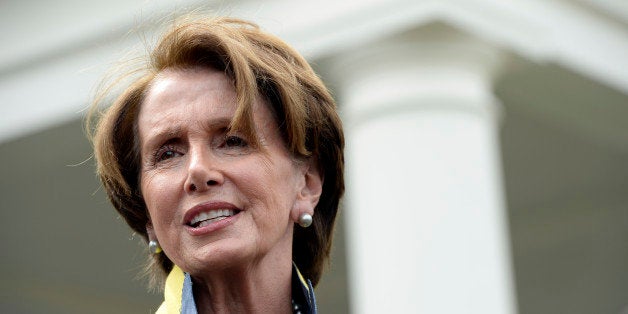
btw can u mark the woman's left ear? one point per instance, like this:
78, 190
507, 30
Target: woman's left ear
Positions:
310, 189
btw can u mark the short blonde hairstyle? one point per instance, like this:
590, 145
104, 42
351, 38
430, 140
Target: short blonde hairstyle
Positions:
258, 63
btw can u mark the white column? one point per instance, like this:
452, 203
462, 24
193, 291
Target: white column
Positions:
425, 215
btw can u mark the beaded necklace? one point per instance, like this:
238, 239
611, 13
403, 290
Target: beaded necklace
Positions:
296, 308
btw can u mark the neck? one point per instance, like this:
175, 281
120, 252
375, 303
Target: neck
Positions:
262, 286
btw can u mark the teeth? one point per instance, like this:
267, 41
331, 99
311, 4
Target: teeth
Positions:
218, 213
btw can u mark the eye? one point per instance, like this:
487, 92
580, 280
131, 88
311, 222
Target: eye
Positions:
167, 155
234, 141
166, 152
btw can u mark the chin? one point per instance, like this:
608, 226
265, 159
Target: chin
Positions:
220, 256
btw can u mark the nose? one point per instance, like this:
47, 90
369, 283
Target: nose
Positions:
203, 171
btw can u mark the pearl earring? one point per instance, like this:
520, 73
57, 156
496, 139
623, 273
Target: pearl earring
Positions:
305, 220
153, 247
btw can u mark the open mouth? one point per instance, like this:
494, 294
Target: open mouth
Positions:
203, 219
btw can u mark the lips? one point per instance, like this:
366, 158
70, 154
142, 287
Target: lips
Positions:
206, 214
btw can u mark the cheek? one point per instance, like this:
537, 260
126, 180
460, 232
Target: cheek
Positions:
158, 191
274, 187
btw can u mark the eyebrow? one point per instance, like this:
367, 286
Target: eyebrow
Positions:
159, 136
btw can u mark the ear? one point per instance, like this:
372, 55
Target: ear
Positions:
310, 190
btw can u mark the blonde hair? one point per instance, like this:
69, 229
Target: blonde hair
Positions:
258, 64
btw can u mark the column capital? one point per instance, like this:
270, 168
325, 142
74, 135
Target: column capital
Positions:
435, 67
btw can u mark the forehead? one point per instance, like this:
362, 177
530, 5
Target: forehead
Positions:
178, 97
173, 86
186, 94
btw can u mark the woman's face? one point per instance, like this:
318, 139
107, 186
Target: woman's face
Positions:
214, 200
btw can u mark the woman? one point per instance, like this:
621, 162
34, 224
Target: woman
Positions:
223, 143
